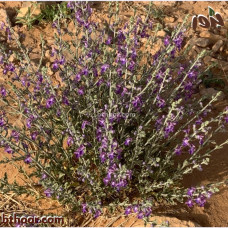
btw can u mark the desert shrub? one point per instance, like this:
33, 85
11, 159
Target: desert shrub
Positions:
120, 127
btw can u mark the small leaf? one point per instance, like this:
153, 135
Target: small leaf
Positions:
61, 175
211, 11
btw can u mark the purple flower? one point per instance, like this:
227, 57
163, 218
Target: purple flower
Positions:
8, 149
85, 71
28, 159
97, 214
200, 137
101, 122
185, 142
166, 41
177, 151
128, 211
84, 123
148, 212
119, 71
104, 143
226, 119
2, 122
188, 86
8, 32
140, 215
192, 149
28, 123
131, 66
55, 65
34, 135
209, 194
124, 92
169, 129
99, 82
70, 5
136, 102
135, 208
65, 100
3, 91
173, 52
1, 59
50, 102
48, 192
80, 151
106, 181
191, 191
200, 200
53, 52
109, 40
118, 89
77, 77
189, 203
191, 75
178, 41
123, 60
120, 36
111, 156
84, 208
54, 24
70, 141
104, 68
127, 141
25, 146
199, 121
15, 135
160, 102
2, 25
95, 73
80, 92
44, 176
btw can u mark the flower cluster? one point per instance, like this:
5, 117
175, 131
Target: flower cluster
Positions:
197, 196
141, 211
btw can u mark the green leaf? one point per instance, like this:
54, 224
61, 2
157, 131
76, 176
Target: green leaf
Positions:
61, 175
211, 11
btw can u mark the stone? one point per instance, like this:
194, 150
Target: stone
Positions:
71, 27
223, 65
156, 47
180, 20
214, 38
217, 45
221, 48
226, 24
35, 9
161, 33
164, 3
171, 25
12, 58
210, 92
202, 42
169, 19
208, 60
50, 40
195, 50
223, 31
4, 17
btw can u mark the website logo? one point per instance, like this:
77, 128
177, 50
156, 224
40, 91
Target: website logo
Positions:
215, 20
